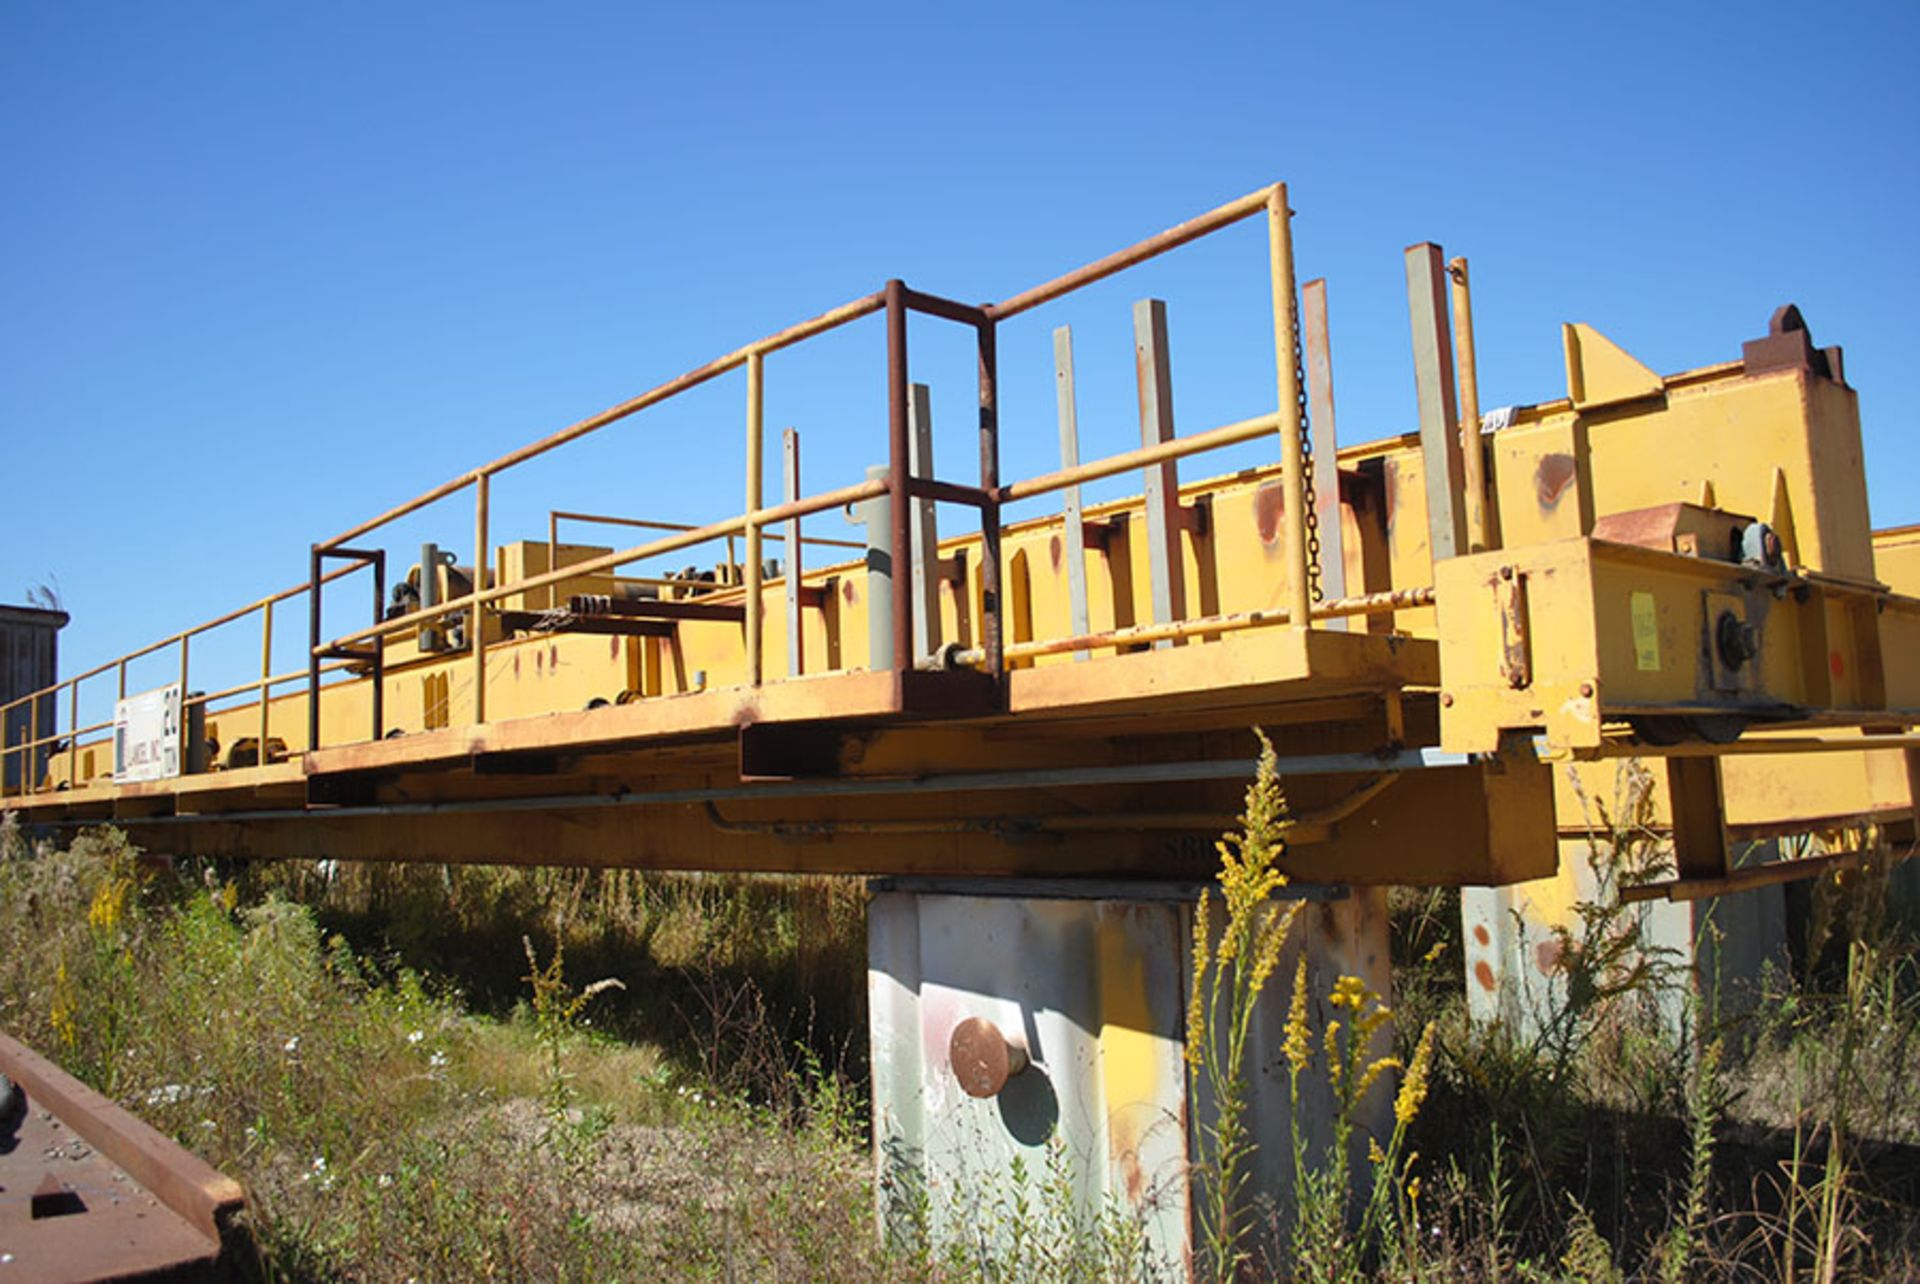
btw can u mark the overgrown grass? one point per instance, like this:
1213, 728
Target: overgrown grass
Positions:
403, 1066
385, 1131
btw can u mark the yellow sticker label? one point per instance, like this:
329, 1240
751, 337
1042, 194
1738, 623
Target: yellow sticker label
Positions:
1646, 633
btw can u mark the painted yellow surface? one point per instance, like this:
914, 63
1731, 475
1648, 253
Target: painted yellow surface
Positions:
1551, 632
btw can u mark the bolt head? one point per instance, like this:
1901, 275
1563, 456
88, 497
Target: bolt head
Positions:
1446, 699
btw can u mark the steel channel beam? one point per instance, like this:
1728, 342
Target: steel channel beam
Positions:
1332, 764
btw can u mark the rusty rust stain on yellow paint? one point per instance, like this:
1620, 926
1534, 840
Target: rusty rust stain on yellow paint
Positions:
1129, 1065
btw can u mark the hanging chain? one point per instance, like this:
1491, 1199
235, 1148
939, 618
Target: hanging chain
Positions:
1312, 502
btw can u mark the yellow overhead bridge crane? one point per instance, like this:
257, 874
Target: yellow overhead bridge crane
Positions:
1447, 636
1677, 568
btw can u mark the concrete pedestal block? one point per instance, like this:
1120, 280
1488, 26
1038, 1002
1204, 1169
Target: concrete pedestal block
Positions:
1720, 945
1024, 1030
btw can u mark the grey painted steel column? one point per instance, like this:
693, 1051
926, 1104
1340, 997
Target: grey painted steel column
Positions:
1428, 303
926, 530
1074, 530
1166, 572
1318, 343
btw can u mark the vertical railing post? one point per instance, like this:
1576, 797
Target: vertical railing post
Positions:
796, 635
1440, 455
73, 737
30, 776
1293, 479
1317, 346
379, 559
1072, 522
990, 624
756, 436
186, 721
1473, 451
898, 471
313, 653
553, 561
1160, 484
476, 631
266, 671
925, 578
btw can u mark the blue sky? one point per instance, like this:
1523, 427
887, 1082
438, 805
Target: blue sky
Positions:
267, 270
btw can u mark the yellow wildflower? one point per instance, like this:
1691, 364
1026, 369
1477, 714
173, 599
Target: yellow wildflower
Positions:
1297, 1046
60, 1011
1196, 1020
1333, 1053
1372, 1075
1413, 1088
1348, 992
109, 901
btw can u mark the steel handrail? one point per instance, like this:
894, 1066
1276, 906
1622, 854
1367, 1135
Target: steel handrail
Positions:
895, 300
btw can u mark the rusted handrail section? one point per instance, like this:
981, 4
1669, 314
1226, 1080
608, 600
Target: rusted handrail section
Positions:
896, 300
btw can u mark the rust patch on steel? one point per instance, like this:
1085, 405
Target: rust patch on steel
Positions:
1480, 933
1269, 506
1483, 973
1053, 552
1546, 956
1130, 1173
1552, 477
846, 591
1838, 664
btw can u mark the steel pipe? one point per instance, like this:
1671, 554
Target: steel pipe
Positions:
1141, 634
684, 539
1179, 234
1141, 457
1286, 331
756, 477
1473, 449
793, 334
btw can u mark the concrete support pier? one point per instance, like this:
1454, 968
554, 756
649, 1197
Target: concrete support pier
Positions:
1026, 1030
1718, 946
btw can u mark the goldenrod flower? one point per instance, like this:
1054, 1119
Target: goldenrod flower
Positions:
1349, 992
1297, 1046
109, 900
1372, 1074
1413, 1088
